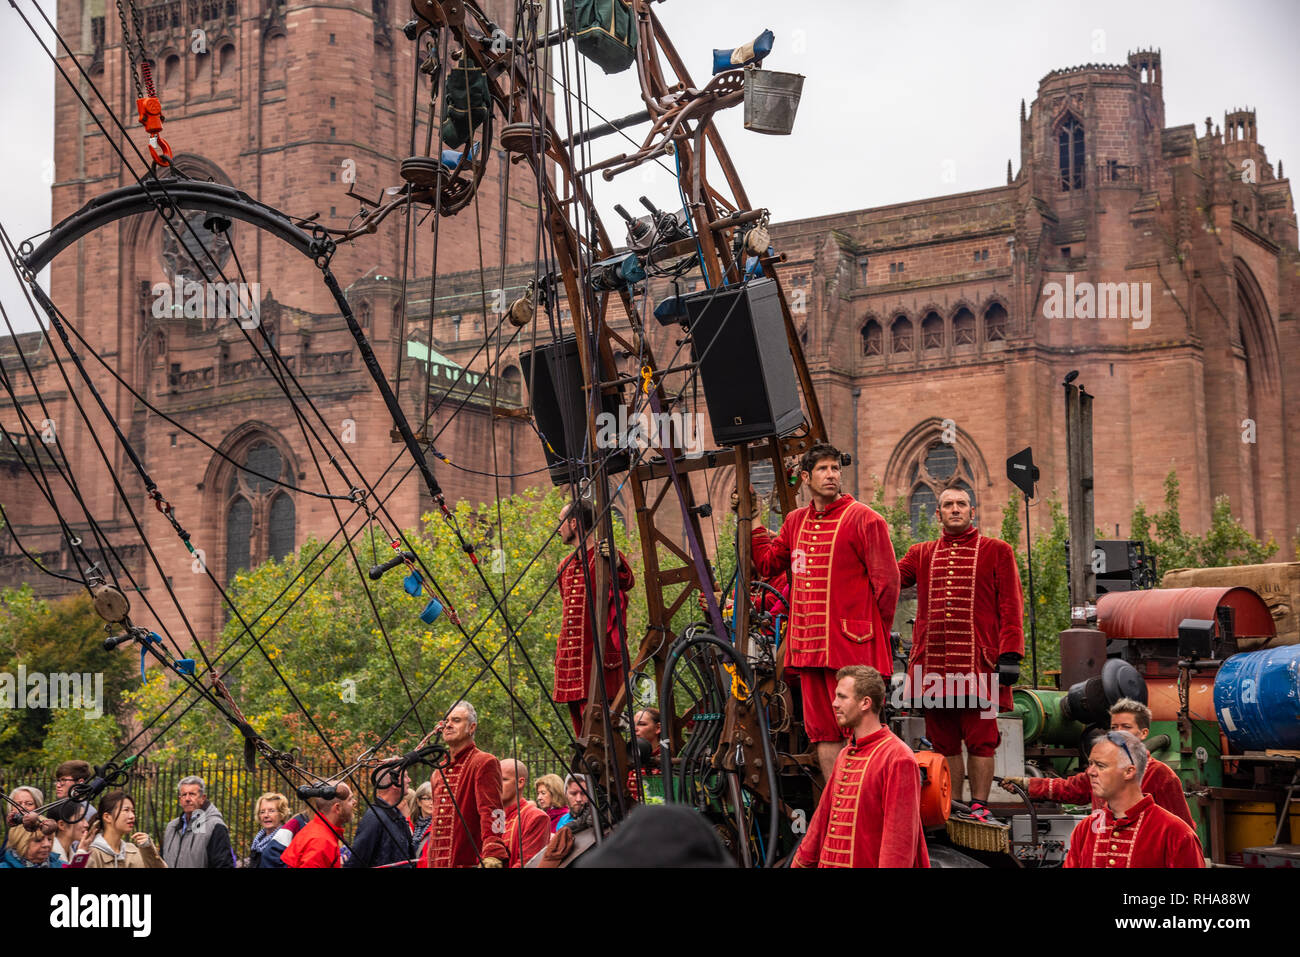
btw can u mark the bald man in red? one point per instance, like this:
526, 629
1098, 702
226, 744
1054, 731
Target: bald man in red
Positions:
1131, 830
575, 649
1159, 780
468, 819
869, 814
844, 589
527, 827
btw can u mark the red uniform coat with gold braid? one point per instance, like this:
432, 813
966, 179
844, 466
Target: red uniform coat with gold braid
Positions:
969, 607
1147, 836
843, 584
870, 812
459, 839
573, 651
1159, 780
527, 817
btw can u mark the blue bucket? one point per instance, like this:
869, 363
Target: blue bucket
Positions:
431, 611
412, 584
1257, 699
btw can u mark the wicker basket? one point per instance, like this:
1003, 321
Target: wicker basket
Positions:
979, 835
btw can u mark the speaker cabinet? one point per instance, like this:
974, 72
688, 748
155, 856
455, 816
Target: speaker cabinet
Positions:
746, 370
554, 374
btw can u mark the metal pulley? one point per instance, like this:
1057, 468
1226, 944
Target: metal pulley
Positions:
524, 138
523, 308
110, 603
422, 172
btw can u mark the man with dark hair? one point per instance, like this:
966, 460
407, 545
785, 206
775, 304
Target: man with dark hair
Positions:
968, 639
1159, 780
843, 591
869, 814
1131, 830
575, 647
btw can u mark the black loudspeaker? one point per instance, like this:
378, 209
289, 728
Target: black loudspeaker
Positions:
1022, 471
738, 338
554, 374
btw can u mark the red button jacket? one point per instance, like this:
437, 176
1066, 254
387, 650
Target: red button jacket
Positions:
573, 650
1148, 836
870, 812
843, 584
470, 827
969, 608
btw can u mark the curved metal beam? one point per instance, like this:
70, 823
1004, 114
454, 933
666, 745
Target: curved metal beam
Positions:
184, 194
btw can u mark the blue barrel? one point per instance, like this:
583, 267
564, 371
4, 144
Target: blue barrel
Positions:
1257, 699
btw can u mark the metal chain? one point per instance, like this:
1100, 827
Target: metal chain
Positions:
126, 42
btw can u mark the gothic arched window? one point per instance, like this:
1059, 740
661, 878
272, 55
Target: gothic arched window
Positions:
932, 332
963, 327
939, 464
1071, 154
995, 323
901, 332
872, 339
259, 513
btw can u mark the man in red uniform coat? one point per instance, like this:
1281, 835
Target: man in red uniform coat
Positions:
870, 811
575, 649
968, 639
1159, 780
844, 588
1131, 830
468, 819
317, 844
527, 826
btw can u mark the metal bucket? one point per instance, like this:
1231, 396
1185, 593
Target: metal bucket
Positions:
1257, 699
771, 100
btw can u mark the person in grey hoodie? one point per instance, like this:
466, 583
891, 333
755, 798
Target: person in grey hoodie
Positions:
199, 836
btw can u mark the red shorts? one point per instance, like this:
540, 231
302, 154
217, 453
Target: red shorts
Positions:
818, 688
948, 728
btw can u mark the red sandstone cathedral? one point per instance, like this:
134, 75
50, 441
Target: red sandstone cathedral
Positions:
1160, 261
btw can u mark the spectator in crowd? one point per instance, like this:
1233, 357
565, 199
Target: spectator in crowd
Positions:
199, 836
575, 792
109, 846
67, 776
272, 810
421, 815
646, 754
30, 848
384, 834
550, 798
27, 797
527, 827
68, 838
317, 844
281, 839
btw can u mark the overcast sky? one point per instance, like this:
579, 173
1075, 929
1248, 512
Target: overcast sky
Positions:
903, 100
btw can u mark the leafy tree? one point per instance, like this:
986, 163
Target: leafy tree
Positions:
1051, 580
1226, 542
332, 652
61, 636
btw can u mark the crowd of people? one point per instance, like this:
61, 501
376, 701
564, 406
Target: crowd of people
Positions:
403, 827
833, 564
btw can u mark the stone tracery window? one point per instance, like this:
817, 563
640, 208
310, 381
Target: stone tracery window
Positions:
259, 514
939, 463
